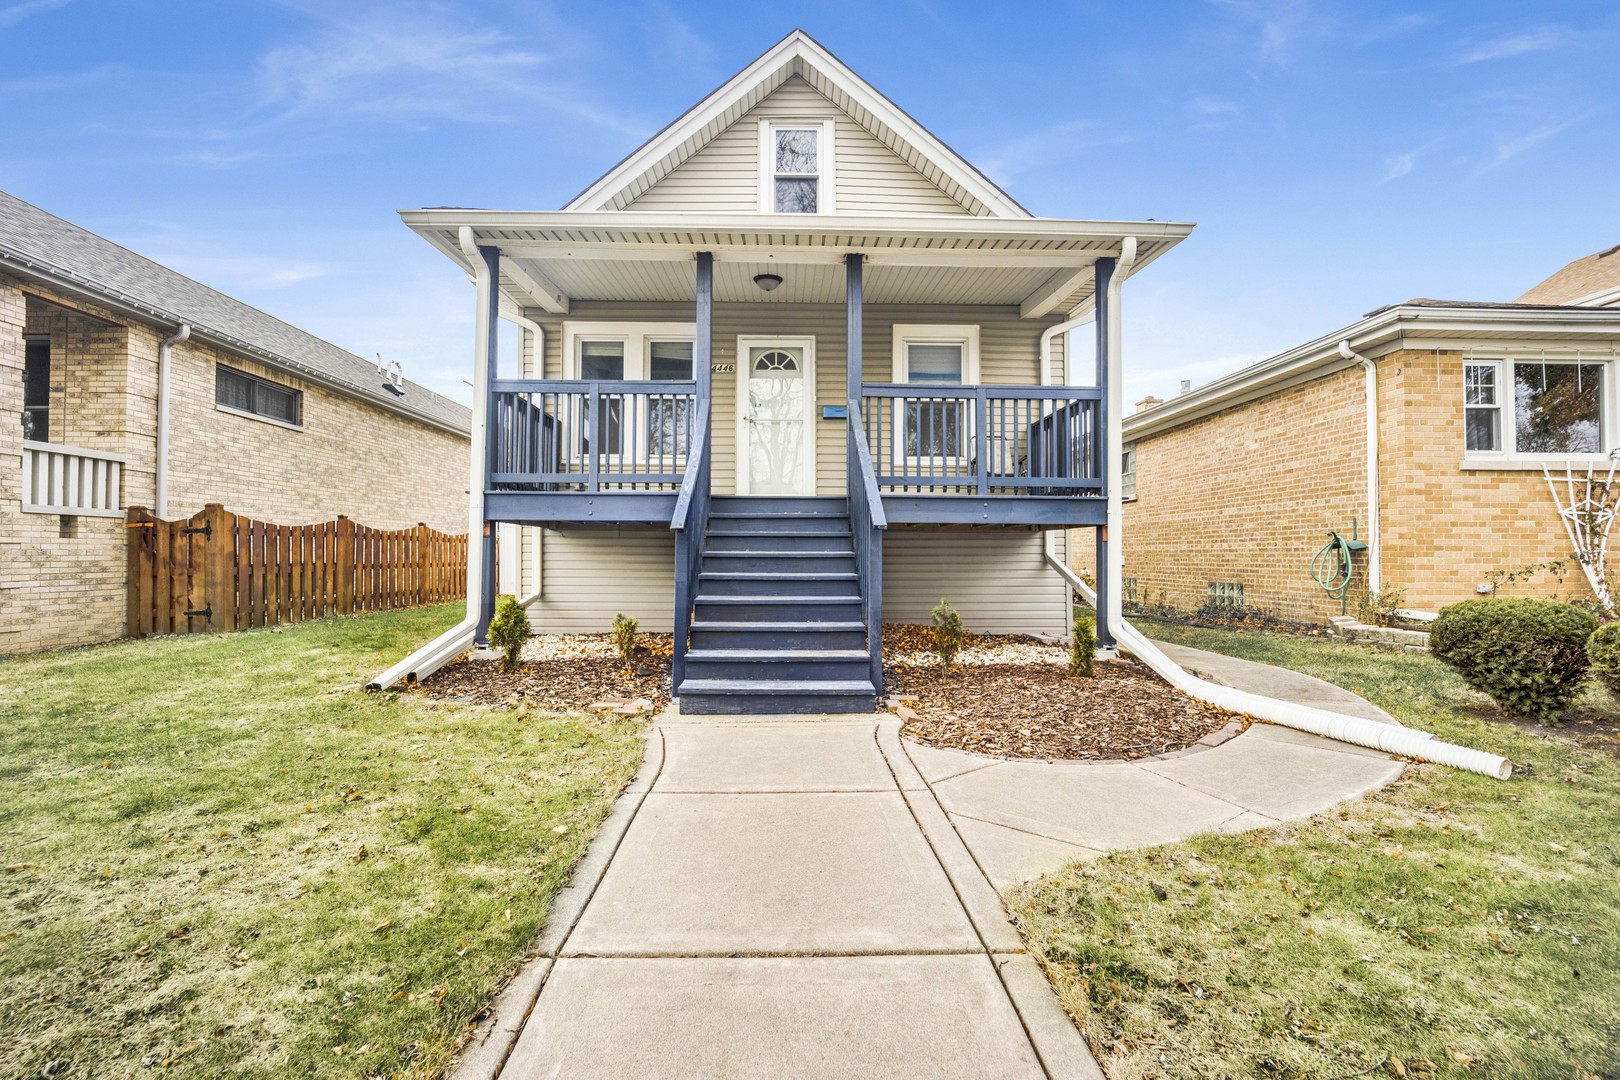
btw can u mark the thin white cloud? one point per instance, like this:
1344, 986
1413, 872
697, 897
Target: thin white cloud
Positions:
1509, 148
16, 13
1211, 113
1511, 45
412, 68
1007, 160
1280, 26
1402, 164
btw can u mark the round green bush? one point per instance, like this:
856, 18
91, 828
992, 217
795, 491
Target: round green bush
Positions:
1603, 650
1528, 655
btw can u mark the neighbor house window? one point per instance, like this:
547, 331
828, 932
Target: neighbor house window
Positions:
240, 392
938, 357
1127, 475
1557, 407
796, 174
36, 414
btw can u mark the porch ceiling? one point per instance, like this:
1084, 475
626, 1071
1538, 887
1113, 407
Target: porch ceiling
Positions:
1046, 266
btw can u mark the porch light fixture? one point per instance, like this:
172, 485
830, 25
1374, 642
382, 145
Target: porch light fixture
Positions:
768, 282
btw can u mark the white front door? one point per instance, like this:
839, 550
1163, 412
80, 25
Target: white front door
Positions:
776, 434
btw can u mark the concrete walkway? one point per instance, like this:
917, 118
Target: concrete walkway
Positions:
813, 897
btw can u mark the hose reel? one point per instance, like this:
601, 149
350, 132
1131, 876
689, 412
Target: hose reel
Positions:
1333, 567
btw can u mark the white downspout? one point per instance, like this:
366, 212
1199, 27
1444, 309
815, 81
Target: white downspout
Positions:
1049, 335
1375, 574
1114, 470
459, 638
160, 469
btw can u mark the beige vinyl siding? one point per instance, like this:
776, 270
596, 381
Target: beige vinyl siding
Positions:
590, 575
1008, 350
723, 177
996, 578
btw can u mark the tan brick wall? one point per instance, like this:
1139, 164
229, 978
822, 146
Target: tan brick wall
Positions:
62, 580
1445, 528
1249, 494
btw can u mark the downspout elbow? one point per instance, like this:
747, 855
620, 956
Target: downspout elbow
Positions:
160, 465
1374, 551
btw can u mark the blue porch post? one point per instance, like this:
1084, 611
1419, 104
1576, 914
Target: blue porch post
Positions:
863, 516
1104, 274
488, 327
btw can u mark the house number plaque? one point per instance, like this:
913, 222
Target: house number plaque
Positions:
723, 369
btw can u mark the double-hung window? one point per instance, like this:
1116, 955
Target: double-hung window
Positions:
935, 358
647, 428
1534, 407
796, 167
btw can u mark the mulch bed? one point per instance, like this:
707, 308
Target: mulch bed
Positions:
1031, 707
560, 677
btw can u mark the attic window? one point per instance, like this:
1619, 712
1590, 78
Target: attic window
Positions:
795, 174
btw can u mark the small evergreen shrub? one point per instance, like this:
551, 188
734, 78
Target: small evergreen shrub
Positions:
508, 630
1603, 650
1528, 655
623, 636
948, 632
1083, 650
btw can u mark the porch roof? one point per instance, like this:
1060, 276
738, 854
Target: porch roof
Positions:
550, 258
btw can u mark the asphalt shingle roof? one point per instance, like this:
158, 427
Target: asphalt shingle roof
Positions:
1595, 273
45, 245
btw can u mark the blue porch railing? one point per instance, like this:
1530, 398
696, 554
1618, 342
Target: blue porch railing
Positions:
984, 441
689, 521
571, 435
867, 524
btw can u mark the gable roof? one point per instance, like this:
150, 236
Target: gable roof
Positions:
42, 246
798, 54
1593, 280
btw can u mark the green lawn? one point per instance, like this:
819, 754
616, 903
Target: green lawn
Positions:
1450, 925
220, 855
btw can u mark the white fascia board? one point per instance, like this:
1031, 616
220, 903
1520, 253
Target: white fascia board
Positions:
1375, 335
796, 46
642, 228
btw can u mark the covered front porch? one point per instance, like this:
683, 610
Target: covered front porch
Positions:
880, 371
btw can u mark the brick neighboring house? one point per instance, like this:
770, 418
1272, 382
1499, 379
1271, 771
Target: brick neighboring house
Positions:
263, 417
1237, 483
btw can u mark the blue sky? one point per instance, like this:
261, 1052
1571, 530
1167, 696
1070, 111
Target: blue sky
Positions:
1336, 156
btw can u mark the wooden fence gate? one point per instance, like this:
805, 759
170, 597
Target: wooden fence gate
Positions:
217, 571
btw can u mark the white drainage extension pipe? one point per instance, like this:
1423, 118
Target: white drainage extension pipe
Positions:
1390, 738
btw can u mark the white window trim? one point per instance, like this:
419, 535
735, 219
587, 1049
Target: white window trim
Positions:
745, 373
826, 160
637, 338
1127, 473
964, 334
1510, 459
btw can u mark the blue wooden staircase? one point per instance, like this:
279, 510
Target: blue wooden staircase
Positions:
777, 612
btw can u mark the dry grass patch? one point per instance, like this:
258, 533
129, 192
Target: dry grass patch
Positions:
1449, 926
223, 857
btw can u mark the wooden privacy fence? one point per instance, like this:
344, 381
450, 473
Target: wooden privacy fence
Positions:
217, 571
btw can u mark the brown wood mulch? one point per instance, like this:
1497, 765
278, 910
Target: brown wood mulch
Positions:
1041, 711
570, 684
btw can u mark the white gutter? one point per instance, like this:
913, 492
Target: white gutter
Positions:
1390, 738
459, 638
1114, 467
160, 470
1374, 553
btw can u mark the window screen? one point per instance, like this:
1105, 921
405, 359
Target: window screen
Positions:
250, 394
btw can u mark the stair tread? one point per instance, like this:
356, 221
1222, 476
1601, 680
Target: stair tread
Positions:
777, 515
776, 686
797, 655
777, 532
780, 575
704, 598
776, 627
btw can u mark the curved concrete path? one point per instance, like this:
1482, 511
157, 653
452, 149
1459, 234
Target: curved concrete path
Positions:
816, 897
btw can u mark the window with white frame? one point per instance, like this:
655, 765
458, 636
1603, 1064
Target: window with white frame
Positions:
1534, 407
935, 356
615, 352
796, 167
1127, 474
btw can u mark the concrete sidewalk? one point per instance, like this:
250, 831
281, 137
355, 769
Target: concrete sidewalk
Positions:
816, 897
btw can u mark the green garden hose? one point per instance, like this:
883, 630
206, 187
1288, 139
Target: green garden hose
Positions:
1332, 567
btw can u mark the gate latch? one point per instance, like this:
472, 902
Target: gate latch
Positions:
207, 530
205, 613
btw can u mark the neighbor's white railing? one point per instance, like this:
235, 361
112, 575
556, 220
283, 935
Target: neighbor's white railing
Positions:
71, 480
